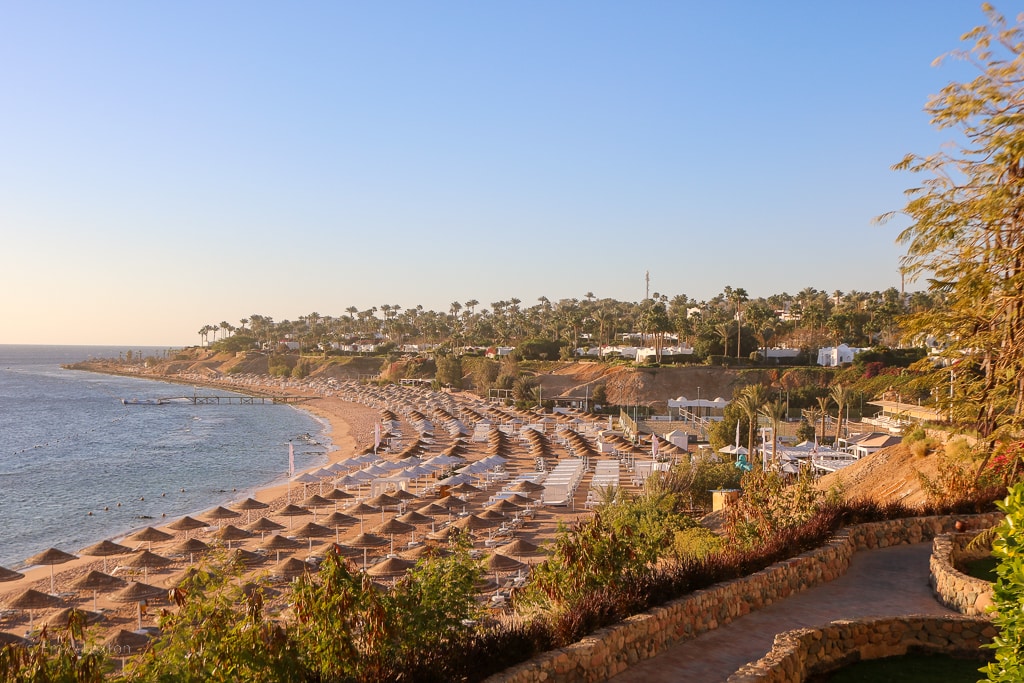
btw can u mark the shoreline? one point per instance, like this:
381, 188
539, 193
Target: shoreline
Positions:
337, 433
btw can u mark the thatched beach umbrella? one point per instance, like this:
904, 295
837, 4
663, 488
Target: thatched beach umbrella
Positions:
291, 568
473, 523
392, 527
31, 600
465, 488
520, 547
97, 581
337, 495
146, 560
366, 541
336, 521
244, 558
248, 505
263, 525
361, 510
277, 543
51, 557
527, 486
231, 533
187, 524
499, 563
392, 566
150, 535
452, 503
191, 546
125, 643
219, 514
138, 593
313, 530
421, 551
61, 619
10, 575
504, 505
106, 549
292, 510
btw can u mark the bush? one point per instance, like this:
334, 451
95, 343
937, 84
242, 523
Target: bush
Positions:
1008, 592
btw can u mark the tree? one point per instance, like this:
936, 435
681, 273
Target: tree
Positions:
752, 399
738, 297
966, 232
1008, 592
840, 395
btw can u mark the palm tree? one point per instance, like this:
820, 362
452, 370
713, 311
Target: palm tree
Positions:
737, 296
823, 402
839, 393
774, 411
752, 398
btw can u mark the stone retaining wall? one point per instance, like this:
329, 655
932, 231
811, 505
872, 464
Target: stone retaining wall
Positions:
611, 650
800, 653
954, 589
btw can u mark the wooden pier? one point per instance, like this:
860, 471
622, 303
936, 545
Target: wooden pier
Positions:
244, 400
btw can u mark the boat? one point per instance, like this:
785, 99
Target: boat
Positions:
144, 401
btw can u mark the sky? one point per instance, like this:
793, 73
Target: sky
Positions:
164, 166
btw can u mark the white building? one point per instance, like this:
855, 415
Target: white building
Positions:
833, 356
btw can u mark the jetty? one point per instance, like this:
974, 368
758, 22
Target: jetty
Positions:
198, 399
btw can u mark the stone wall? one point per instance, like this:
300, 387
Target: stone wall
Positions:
800, 653
954, 589
611, 650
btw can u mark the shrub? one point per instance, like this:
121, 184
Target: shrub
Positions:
1008, 592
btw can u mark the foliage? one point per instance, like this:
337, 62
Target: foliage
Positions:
449, 370
53, 660
769, 504
1008, 592
350, 630
967, 233
692, 482
218, 633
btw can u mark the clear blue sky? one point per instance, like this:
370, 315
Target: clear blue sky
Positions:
170, 165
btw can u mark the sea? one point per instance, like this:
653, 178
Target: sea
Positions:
78, 466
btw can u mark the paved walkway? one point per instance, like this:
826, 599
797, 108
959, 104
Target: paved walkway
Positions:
884, 582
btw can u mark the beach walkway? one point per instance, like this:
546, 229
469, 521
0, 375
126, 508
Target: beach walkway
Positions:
882, 582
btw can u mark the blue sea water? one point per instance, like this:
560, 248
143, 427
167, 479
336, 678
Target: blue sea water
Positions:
68, 447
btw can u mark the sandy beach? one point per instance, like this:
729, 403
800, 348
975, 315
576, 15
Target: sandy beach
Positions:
350, 426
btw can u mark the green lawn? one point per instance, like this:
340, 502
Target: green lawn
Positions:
916, 668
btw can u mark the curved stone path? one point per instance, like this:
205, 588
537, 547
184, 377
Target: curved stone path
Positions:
882, 582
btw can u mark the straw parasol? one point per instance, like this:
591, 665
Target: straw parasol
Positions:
125, 643
51, 557
425, 551
31, 600
520, 547
106, 549
337, 520
248, 505
62, 617
231, 533
382, 500
504, 505
316, 501
392, 527
452, 503
313, 530
150, 535
97, 581
361, 510
403, 495
263, 525
473, 522
392, 566
338, 495
527, 486
146, 560
465, 487
10, 575
277, 543
366, 541
414, 517
492, 516
291, 568
190, 546
444, 534
502, 563
292, 510
244, 558
187, 524
219, 514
